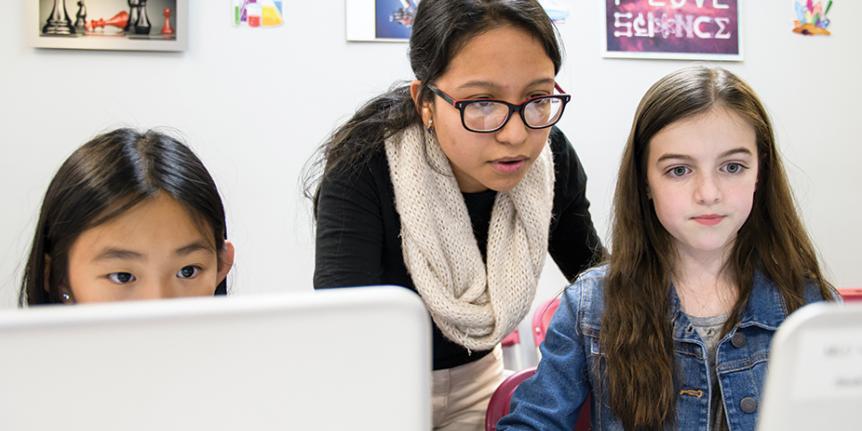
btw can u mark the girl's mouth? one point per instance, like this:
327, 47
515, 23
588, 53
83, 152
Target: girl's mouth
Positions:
709, 219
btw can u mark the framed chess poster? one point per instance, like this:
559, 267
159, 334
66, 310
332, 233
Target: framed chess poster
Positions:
123, 25
673, 29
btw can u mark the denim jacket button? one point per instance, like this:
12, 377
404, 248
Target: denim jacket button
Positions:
748, 405
738, 340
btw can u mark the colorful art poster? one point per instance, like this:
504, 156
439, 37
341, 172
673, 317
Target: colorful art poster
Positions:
674, 29
257, 13
812, 18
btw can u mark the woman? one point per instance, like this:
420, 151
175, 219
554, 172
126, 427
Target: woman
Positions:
456, 186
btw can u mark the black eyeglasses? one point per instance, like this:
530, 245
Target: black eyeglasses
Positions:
491, 115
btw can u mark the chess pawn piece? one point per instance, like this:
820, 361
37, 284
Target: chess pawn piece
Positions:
167, 30
119, 20
58, 21
142, 25
81, 18
133, 16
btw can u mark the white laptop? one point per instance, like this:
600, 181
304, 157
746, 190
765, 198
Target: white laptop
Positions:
814, 380
339, 359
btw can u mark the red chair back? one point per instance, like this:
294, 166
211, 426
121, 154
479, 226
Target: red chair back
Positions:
851, 294
512, 350
542, 319
499, 404
512, 339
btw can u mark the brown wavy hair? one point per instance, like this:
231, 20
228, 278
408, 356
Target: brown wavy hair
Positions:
636, 332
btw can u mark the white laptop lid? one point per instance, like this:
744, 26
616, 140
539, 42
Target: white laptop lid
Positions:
328, 360
814, 380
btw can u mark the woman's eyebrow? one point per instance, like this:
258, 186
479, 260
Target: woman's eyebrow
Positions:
479, 84
494, 86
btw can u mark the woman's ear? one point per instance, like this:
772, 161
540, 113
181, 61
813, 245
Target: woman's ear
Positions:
423, 108
225, 261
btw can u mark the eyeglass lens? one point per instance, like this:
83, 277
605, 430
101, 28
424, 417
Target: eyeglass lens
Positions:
490, 115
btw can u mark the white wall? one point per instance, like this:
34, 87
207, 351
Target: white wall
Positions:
255, 104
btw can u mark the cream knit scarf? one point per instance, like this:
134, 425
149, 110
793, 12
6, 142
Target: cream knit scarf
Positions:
475, 305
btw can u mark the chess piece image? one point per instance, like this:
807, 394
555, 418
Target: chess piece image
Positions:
81, 18
167, 30
142, 25
119, 21
133, 16
58, 21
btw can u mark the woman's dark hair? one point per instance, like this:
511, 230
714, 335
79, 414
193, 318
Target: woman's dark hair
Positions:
101, 180
440, 29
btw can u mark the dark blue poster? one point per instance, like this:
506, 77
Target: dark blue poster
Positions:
393, 19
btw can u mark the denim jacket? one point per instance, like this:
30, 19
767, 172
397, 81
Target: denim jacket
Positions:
570, 367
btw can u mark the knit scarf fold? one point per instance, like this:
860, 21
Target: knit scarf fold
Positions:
473, 304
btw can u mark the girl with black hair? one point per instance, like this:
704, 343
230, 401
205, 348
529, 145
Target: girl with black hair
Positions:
457, 186
128, 216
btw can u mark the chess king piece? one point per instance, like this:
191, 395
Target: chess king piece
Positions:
81, 18
142, 25
167, 30
58, 21
133, 16
119, 20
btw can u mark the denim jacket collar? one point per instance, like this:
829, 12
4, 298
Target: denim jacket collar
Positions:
765, 309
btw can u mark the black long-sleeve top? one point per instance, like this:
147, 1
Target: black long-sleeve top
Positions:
358, 228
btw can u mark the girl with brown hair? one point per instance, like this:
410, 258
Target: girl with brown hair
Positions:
709, 256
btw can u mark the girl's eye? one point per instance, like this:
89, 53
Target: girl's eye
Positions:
187, 272
121, 277
734, 168
678, 171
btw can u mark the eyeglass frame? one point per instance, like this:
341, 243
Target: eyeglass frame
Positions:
461, 104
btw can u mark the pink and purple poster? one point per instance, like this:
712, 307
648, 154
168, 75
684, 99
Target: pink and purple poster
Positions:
677, 29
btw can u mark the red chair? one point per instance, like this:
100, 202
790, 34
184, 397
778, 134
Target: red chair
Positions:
512, 342
851, 294
542, 319
512, 339
499, 404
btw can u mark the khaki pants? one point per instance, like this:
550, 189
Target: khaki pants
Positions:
461, 394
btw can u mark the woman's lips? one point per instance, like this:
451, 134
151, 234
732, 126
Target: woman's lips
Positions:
509, 165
